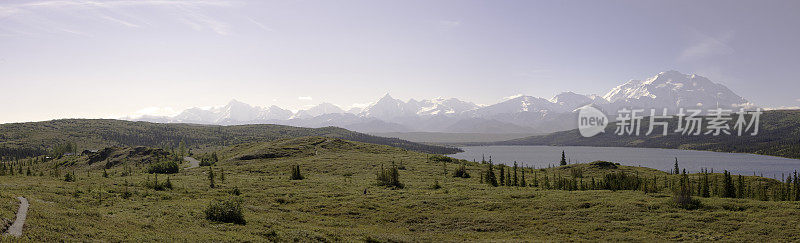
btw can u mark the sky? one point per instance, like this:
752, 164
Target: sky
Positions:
111, 59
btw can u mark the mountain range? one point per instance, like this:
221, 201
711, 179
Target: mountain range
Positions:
516, 114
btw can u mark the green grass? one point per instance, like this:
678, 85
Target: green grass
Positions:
330, 204
8, 209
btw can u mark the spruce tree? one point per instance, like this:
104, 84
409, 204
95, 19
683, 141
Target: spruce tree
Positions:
502, 175
491, 179
516, 180
508, 178
676, 170
740, 187
522, 182
563, 158
728, 189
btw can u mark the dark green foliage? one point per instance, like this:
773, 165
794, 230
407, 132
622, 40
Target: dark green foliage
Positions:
389, 177
436, 185
296, 173
461, 172
69, 177
777, 136
682, 196
502, 175
226, 211
676, 170
490, 178
235, 191
163, 167
563, 158
515, 181
728, 189
157, 185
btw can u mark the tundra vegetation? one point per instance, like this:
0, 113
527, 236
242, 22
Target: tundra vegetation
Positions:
352, 191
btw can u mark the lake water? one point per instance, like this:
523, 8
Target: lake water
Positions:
662, 159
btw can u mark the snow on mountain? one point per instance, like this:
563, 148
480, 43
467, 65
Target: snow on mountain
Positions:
519, 113
442, 106
673, 90
321, 109
388, 108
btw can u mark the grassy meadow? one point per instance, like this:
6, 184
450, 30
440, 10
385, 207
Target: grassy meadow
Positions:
339, 200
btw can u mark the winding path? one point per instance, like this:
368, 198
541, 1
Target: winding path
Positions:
193, 163
16, 228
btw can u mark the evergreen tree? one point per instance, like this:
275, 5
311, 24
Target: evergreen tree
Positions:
728, 190
740, 187
502, 175
683, 195
676, 170
491, 179
508, 178
516, 180
522, 182
563, 158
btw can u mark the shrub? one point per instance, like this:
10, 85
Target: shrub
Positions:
296, 173
682, 196
226, 211
165, 167
389, 177
158, 186
461, 172
436, 185
69, 177
235, 191
442, 158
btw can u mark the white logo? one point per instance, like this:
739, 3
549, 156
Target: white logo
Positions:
591, 121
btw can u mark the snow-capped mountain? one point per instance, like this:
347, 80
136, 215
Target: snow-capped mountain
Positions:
518, 113
321, 109
674, 90
388, 108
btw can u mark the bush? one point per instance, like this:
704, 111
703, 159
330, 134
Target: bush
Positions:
158, 186
389, 177
442, 158
68, 177
436, 185
682, 196
165, 167
226, 211
296, 173
461, 172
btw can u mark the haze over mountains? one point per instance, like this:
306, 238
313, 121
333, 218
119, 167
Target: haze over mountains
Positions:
517, 114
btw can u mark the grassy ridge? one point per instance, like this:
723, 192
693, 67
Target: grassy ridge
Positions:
331, 203
19, 140
779, 135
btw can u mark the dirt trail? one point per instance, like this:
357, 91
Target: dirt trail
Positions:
193, 163
16, 228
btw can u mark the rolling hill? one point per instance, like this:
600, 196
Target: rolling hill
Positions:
19, 140
779, 135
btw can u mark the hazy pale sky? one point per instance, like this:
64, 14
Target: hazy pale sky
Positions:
93, 59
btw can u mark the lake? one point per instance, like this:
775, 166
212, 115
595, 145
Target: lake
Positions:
662, 159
